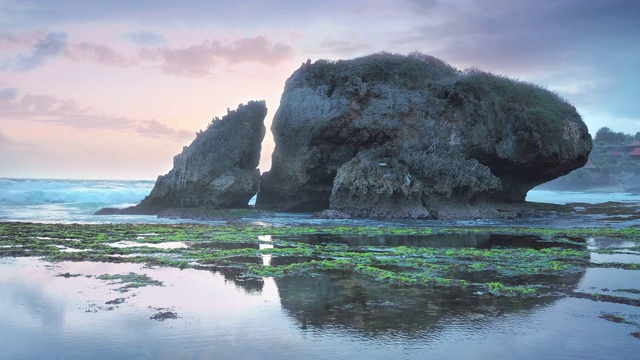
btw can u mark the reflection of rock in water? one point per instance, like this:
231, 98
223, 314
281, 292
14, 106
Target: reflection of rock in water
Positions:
361, 304
235, 274
225, 246
372, 307
250, 285
481, 241
435, 241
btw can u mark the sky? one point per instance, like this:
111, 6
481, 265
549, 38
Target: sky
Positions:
115, 89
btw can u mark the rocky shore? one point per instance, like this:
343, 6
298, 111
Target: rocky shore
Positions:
383, 136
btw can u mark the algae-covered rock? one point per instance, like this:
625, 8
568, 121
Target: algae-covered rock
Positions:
446, 137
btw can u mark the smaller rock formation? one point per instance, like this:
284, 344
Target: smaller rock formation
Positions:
217, 171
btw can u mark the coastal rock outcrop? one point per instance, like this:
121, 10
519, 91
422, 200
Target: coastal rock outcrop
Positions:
218, 170
412, 137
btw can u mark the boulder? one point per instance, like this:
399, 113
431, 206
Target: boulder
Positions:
218, 170
397, 136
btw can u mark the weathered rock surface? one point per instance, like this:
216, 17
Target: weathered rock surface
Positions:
217, 171
412, 137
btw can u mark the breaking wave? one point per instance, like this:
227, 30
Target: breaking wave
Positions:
106, 192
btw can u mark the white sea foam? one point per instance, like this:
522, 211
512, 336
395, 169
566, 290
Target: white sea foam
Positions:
564, 197
67, 201
38, 191
75, 201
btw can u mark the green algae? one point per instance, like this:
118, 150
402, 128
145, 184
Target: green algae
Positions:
130, 281
617, 265
497, 270
555, 234
613, 318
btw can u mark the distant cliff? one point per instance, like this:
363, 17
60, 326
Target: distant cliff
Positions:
614, 166
412, 137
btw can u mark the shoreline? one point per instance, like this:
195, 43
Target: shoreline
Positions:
610, 211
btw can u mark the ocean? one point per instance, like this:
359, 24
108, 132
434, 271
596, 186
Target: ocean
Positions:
75, 201
115, 309
70, 201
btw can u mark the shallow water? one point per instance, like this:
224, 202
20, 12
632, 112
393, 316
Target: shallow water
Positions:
335, 316
480, 241
601, 281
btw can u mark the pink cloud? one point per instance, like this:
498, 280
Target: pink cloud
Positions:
99, 54
68, 113
258, 50
194, 60
198, 60
33, 106
154, 128
84, 121
39, 107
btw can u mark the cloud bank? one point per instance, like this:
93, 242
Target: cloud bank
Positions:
99, 54
194, 60
70, 114
56, 45
53, 45
199, 60
584, 49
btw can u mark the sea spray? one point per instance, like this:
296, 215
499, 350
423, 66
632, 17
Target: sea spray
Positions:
41, 191
65, 201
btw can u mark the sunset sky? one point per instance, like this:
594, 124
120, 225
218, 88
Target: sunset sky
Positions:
114, 89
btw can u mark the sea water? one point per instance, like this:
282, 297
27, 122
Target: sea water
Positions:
48, 316
75, 201
565, 197
67, 201
62, 310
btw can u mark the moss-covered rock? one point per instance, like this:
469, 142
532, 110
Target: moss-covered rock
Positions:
447, 136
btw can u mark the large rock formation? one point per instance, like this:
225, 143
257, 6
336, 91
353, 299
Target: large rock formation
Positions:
218, 170
410, 136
